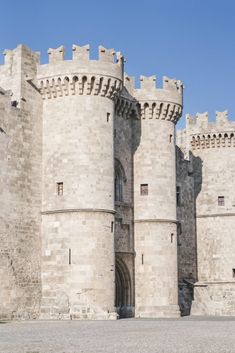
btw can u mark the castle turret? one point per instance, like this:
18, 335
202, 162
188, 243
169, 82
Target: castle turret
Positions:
213, 157
155, 199
78, 265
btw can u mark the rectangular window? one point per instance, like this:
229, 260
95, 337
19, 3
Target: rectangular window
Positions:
143, 189
60, 189
171, 136
233, 272
178, 196
220, 200
108, 116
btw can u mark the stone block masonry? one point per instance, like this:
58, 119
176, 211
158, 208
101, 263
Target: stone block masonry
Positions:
96, 196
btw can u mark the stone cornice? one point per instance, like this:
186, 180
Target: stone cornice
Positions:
231, 214
76, 210
212, 140
164, 110
126, 107
79, 84
155, 220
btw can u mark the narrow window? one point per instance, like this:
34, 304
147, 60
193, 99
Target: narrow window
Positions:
172, 237
115, 133
119, 181
179, 228
108, 116
112, 226
233, 272
143, 189
69, 256
60, 189
171, 138
178, 196
142, 259
220, 200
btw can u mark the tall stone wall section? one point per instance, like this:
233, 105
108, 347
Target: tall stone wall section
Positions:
155, 199
125, 116
212, 147
20, 185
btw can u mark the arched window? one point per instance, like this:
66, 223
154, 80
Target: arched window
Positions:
120, 179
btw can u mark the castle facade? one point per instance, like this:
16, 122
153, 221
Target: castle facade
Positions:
106, 212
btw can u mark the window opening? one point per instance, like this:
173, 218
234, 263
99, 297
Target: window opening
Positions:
60, 189
143, 189
220, 200
178, 196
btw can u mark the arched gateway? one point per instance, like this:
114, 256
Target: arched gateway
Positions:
123, 300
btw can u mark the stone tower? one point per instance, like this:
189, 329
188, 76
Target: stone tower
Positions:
155, 199
78, 265
211, 145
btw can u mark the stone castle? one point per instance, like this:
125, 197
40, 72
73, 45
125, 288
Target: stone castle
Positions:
106, 212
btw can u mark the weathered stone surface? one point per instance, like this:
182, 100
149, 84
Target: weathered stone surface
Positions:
89, 223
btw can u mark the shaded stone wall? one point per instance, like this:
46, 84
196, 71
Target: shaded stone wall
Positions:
124, 231
210, 147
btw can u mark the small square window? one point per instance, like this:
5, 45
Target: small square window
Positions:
60, 189
143, 189
220, 200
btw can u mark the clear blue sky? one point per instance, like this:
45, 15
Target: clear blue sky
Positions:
192, 40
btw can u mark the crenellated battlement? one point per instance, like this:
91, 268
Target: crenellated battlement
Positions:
148, 85
204, 134
81, 75
157, 103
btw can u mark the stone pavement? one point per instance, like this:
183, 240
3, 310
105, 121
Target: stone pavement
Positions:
185, 335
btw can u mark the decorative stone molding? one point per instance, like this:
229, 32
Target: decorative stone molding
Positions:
77, 210
212, 140
125, 107
79, 84
160, 110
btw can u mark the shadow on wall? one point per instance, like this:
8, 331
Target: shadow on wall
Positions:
189, 176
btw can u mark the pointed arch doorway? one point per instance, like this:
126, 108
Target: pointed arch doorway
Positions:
123, 299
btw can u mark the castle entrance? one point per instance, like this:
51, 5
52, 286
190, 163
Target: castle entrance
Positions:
123, 300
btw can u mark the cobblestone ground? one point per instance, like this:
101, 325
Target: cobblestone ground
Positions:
186, 335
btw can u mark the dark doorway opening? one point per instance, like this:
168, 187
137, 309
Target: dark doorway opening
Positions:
123, 300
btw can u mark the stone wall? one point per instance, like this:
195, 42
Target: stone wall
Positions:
124, 230
20, 145
210, 146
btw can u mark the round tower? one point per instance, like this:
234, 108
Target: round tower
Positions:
78, 265
155, 199
212, 146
